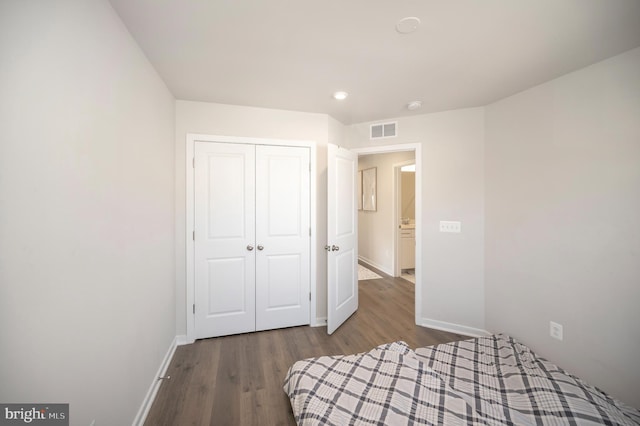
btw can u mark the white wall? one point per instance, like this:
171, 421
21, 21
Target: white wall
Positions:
230, 120
86, 211
376, 230
563, 221
452, 189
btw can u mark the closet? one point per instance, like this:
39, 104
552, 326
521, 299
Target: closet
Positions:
252, 237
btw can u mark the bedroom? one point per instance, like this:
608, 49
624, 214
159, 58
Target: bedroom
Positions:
92, 238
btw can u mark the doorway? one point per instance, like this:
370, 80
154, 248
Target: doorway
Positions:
393, 220
405, 184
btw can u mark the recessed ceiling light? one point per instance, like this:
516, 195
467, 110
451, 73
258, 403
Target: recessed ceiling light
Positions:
414, 105
408, 25
340, 95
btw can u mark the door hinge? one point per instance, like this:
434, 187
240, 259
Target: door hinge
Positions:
193, 162
309, 231
309, 296
193, 235
309, 166
194, 308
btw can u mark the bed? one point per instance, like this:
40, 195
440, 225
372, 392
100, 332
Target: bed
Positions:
491, 380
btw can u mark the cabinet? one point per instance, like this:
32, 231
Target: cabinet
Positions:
251, 241
407, 248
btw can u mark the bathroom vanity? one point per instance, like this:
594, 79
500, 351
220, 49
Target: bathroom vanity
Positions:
408, 246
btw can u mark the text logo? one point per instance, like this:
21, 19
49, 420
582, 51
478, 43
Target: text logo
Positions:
34, 414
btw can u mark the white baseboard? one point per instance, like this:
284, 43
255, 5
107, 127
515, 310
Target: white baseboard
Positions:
181, 340
454, 328
319, 322
375, 265
155, 384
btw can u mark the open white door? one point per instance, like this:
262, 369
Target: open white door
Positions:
342, 236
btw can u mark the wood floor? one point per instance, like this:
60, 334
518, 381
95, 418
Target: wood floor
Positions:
237, 380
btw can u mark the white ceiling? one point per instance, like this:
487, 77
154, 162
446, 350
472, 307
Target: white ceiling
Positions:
293, 54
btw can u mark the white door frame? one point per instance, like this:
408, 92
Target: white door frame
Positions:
190, 225
417, 148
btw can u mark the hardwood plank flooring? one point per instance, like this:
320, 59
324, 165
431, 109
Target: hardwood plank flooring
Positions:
237, 380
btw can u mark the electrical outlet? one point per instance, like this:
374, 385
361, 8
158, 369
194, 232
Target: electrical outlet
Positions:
555, 330
450, 226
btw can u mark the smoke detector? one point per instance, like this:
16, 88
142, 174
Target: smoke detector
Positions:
414, 105
408, 25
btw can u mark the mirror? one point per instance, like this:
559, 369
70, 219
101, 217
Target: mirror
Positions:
369, 189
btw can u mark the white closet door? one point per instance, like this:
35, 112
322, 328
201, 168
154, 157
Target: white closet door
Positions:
224, 239
282, 236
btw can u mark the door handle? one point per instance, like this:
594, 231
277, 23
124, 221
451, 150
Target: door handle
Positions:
335, 248
260, 247
249, 247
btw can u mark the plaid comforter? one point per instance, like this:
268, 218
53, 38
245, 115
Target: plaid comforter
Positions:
490, 380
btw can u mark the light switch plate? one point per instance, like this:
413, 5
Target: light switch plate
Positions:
555, 330
450, 226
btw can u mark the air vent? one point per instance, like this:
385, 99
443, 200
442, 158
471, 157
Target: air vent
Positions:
384, 130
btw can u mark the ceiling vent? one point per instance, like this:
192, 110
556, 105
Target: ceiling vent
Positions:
384, 130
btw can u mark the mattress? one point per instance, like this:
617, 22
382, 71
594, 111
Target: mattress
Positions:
490, 380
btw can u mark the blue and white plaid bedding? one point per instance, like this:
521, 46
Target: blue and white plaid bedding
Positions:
491, 380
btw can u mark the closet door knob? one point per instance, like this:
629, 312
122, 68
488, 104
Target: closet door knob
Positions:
260, 247
249, 247
335, 248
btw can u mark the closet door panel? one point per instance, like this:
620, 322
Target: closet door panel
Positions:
224, 231
282, 236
